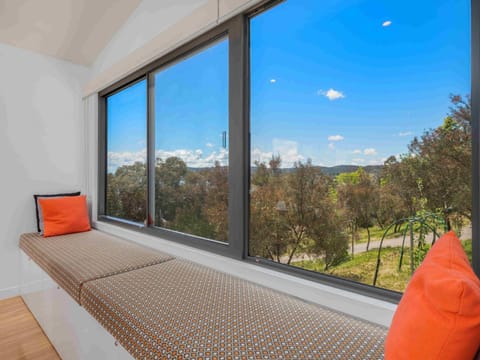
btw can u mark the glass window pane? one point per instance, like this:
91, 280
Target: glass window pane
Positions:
126, 153
360, 117
191, 146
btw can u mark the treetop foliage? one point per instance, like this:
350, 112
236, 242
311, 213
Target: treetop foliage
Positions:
305, 209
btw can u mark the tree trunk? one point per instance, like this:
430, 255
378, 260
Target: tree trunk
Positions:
270, 254
298, 239
449, 224
278, 253
291, 253
353, 240
368, 241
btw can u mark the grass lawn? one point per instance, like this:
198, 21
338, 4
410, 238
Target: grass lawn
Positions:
376, 234
362, 267
467, 246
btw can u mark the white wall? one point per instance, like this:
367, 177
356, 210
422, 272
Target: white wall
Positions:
41, 143
149, 19
154, 29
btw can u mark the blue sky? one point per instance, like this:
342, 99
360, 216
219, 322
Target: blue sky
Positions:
127, 119
337, 81
191, 107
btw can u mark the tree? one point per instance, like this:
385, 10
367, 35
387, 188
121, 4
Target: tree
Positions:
301, 202
114, 205
189, 214
126, 192
445, 159
268, 233
290, 210
399, 181
169, 178
329, 240
358, 194
390, 205
215, 208
192, 201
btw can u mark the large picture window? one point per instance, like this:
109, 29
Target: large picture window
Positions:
330, 139
361, 129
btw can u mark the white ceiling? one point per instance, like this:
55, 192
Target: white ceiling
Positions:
73, 30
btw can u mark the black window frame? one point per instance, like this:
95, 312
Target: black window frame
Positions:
232, 30
237, 30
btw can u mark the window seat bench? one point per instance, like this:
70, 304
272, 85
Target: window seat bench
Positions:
72, 260
166, 308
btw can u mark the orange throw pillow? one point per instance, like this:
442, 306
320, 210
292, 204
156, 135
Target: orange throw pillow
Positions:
64, 215
438, 316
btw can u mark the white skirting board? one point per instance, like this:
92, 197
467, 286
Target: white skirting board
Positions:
73, 332
9, 292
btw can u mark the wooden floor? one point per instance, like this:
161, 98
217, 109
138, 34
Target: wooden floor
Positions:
20, 335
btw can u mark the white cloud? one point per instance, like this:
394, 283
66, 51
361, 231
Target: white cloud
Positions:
209, 145
375, 162
196, 158
260, 156
331, 94
370, 151
358, 161
221, 157
335, 138
117, 159
357, 151
386, 23
288, 151
331, 146
406, 133
273, 81
193, 158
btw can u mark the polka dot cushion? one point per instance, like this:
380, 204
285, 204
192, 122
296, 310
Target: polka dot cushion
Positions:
73, 259
180, 310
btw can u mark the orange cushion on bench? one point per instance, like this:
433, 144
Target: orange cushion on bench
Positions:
438, 316
64, 215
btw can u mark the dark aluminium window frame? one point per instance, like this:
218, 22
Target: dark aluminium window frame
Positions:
237, 31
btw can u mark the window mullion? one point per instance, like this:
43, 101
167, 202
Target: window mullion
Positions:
102, 155
238, 139
475, 95
151, 158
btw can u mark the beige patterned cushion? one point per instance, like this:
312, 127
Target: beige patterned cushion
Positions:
73, 259
179, 310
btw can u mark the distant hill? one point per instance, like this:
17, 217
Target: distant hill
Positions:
327, 170
336, 170
339, 169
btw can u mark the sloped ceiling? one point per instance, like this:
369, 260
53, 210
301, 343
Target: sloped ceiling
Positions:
73, 30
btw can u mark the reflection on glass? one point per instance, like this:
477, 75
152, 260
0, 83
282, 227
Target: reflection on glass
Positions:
353, 128
191, 146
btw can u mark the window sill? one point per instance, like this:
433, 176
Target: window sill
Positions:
360, 306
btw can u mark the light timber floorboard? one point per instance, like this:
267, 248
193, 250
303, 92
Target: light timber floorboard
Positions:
20, 335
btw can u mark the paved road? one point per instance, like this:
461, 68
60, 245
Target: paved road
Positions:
375, 244
393, 242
